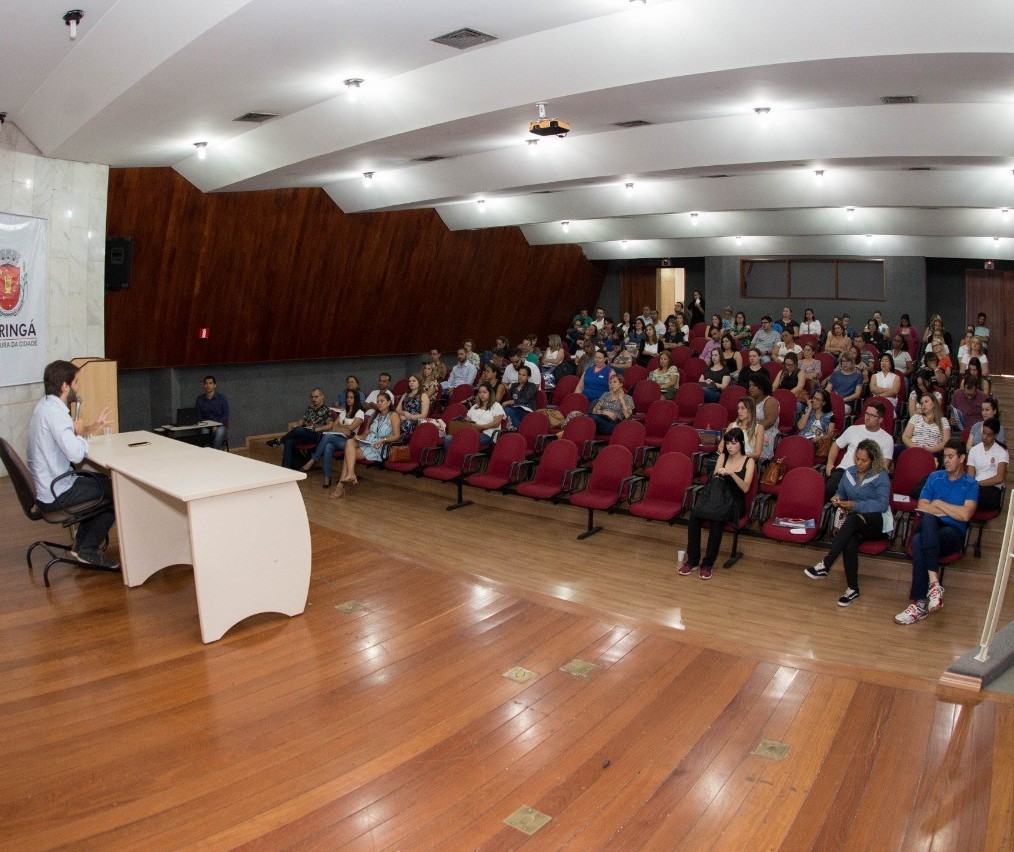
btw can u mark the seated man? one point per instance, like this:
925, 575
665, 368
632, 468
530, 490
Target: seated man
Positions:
307, 430
966, 404
510, 373
439, 367
462, 373
765, 338
383, 387
850, 439
55, 443
946, 504
212, 405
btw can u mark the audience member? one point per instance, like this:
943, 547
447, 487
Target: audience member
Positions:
520, 399
981, 329
846, 381
666, 375
810, 366
815, 419
789, 378
385, 429
864, 496
316, 420
430, 385
211, 405
737, 470
908, 333
57, 442
510, 373
974, 372
383, 387
462, 373
730, 357
975, 350
885, 382
649, 347
414, 406
594, 380
768, 411
850, 439
990, 411
485, 414
900, 355
696, 308
946, 505
612, 407
927, 428
746, 422
752, 367
713, 342
765, 339
741, 329
987, 462
966, 404
635, 335
352, 383
439, 367
810, 324
715, 377
345, 426
473, 356
837, 340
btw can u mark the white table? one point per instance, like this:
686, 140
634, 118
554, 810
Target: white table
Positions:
240, 523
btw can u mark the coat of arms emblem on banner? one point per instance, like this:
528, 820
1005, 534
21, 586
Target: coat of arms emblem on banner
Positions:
12, 282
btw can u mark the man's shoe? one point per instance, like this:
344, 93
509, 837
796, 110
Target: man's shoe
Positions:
274, 442
936, 597
916, 612
849, 596
817, 572
96, 560
705, 572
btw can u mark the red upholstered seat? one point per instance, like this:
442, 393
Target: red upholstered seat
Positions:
665, 497
801, 496
730, 399
424, 435
610, 470
464, 446
503, 467
645, 393
559, 457
689, 398
662, 414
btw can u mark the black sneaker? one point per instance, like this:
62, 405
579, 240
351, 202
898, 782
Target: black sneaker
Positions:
274, 442
96, 560
817, 572
849, 596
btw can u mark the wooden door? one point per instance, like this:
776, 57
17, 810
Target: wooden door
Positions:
990, 292
637, 289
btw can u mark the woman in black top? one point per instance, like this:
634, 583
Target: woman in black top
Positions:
872, 334
715, 377
752, 366
696, 308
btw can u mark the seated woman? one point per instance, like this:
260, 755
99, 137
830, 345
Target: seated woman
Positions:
346, 425
746, 422
649, 347
413, 406
625, 325
715, 377
612, 407
908, 333
737, 469
741, 330
927, 428
428, 378
520, 399
837, 340
352, 384
553, 356
673, 337
990, 411
873, 336
666, 375
815, 421
923, 384
768, 410
902, 359
987, 462
786, 345
846, 381
810, 324
486, 415
975, 370
491, 376
385, 429
636, 333
864, 493
753, 366
789, 378
594, 379
622, 356
885, 382
809, 366
730, 357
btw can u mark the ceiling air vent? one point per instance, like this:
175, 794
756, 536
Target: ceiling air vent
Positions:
430, 158
637, 122
464, 38
711, 177
899, 99
256, 117
919, 169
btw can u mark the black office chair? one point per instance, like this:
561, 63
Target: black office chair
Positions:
64, 515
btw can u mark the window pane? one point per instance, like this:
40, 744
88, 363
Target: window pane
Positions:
764, 278
861, 279
813, 279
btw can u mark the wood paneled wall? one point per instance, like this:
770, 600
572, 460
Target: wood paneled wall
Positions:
285, 275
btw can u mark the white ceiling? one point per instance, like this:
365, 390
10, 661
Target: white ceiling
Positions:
144, 80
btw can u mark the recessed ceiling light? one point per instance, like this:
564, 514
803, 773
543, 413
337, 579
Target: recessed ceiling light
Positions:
72, 19
533, 146
761, 112
693, 218
353, 85
202, 149
819, 175
368, 178
850, 213
629, 186
482, 205
566, 226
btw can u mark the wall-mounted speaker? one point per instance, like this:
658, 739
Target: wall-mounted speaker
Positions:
119, 256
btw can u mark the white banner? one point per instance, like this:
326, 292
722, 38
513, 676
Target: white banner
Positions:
23, 344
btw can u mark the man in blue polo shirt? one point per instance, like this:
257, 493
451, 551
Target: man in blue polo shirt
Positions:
947, 504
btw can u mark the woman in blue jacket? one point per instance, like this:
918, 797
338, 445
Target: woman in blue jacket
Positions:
864, 493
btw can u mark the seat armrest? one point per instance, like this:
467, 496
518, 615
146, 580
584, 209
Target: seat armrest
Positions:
590, 448
79, 509
633, 487
541, 441
431, 456
521, 471
575, 480
474, 463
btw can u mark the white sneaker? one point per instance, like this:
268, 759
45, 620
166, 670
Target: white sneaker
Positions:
849, 596
817, 572
916, 611
936, 597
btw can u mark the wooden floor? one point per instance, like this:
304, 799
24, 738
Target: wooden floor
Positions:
381, 719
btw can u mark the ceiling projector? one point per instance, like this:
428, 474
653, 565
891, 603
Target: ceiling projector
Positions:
549, 127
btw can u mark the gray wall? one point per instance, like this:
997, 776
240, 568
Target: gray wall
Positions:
262, 397
906, 293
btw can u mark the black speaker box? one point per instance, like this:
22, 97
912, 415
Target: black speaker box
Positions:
119, 256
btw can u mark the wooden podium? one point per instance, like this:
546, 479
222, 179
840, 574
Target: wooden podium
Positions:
98, 388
